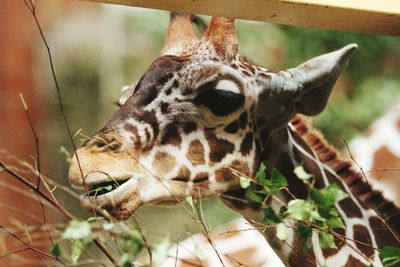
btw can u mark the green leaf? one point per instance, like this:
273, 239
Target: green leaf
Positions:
304, 230
244, 182
260, 175
276, 182
105, 188
76, 250
132, 243
250, 194
335, 222
302, 174
303, 210
390, 255
327, 196
278, 179
77, 230
189, 200
326, 240
281, 231
126, 260
299, 209
270, 216
56, 251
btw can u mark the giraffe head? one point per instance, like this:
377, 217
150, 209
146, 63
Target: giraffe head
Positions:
199, 115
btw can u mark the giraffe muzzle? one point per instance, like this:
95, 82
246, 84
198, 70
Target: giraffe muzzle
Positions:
109, 181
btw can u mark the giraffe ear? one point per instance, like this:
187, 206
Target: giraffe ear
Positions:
304, 89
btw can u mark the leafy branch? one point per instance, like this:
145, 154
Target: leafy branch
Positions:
315, 213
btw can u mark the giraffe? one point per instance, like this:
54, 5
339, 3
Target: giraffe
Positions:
378, 153
237, 242
200, 114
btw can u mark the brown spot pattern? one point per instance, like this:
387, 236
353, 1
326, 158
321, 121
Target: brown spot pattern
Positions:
264, 75
224, 175
353, 262
246, 255
135, 135
164, 107
163, 163
247, 144
171, 136
189, 127
298, 257
381, 233
350, 208
361, 234
384, 159
199, 179
246, 73
241, 167
183, 174
149, 117
339, 242
243, 120
201, 176
147, 133
219, 147
232, 128
195, 153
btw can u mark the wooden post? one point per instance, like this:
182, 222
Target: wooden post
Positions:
368, 16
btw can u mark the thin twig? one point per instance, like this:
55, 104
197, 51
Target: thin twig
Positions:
14, 252
205, 230
57, 206
176, 253
45, 180
31, 7
37, 163
33, 187
29, 246
146, 244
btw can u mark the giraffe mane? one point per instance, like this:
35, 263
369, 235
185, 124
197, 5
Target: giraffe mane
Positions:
345, 169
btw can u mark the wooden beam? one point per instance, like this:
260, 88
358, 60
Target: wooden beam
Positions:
369, 16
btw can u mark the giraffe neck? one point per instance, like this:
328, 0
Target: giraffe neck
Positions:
297, 144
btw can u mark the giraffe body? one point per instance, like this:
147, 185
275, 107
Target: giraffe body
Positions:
378, 154
201, 114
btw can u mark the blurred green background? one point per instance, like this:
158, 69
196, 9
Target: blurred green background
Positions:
99, 49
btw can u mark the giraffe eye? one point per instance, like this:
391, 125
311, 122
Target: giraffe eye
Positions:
220, 101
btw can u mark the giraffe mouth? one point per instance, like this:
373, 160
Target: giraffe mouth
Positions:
103, 188
119, 198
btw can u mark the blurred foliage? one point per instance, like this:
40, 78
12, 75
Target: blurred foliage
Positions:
302, 43
350, 116
372, 78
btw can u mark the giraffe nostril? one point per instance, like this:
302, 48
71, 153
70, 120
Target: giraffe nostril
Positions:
104, 143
